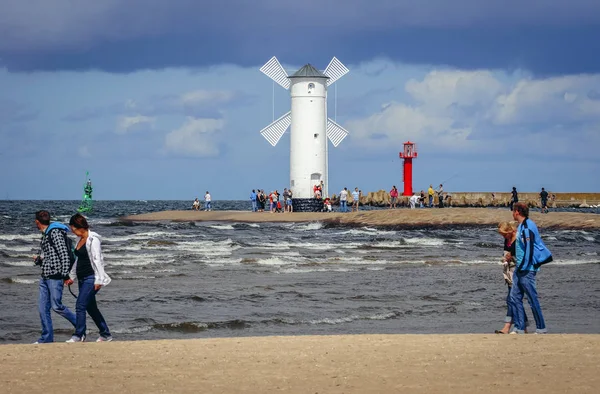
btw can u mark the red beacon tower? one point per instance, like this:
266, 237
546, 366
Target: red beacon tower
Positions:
408, 154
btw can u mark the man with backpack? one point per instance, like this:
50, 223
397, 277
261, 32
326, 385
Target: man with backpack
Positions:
531, 253
56, 259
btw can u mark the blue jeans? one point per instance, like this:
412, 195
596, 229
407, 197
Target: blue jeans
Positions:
430, 201
343, 207
510, 309
524, 284
50, 297
254, 209
86, 301
207, 206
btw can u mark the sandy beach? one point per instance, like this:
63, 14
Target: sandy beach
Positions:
384, 218
311, 364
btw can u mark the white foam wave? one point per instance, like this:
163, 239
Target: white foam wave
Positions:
289, 254
298, 270
21, 237
572, 262
312, 226
276, 261
366, 231
133, 330
117, 259
16, 248
222, 262
222, 226
19, 263
24, 281
152, 235
424, 241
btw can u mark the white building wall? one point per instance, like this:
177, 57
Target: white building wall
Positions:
308, 139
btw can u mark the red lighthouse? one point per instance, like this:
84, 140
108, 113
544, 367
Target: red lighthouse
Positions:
409, 152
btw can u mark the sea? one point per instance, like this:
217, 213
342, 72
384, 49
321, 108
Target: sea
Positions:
227, 279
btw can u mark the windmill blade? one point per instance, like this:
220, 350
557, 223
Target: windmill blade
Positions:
275, 130
335, 70
335, 132
275, 71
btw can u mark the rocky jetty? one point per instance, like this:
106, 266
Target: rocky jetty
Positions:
381, 198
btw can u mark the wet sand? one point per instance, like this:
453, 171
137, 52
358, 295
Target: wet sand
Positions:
385, 218
310, 364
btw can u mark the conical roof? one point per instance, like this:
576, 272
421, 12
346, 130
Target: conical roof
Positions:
308, 71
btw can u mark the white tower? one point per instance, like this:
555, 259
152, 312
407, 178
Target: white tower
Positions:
310, 126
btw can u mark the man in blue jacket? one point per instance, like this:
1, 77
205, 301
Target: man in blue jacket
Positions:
529, 254
56, 263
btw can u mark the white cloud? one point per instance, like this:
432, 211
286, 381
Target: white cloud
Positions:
127, 124
196, 137
558, 99
465, 110
440, 89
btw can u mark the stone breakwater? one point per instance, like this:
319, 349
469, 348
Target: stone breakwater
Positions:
381, 198
392, 218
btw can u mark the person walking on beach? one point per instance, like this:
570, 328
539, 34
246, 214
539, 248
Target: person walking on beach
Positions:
530, 254
430, 192
514, 198
88, 270
355, 199
344, 200
262, 199
55, 261
544, 200
508, 231
253, 200
393, 197
207, 202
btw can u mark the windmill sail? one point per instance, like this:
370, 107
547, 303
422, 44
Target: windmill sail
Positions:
335, 70
335, 132
275, 71
275, 130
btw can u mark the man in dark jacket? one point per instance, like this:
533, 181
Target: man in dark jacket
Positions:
56, 263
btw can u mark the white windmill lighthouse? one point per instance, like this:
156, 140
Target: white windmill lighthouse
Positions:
310, 126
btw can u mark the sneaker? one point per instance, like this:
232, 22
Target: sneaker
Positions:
75, 338
104, 339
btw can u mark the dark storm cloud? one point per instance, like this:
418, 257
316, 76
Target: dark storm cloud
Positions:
549, 37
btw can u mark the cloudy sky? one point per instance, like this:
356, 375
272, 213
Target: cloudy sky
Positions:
164, 99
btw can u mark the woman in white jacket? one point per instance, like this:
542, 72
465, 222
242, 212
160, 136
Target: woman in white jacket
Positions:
89, 272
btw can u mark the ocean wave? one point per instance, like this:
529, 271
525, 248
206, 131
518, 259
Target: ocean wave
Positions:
571, 262
424, 241
311, 226
344, 319
19, 263
222, 226
13, 248
19, 281
21, 237
304, 270
366, 231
